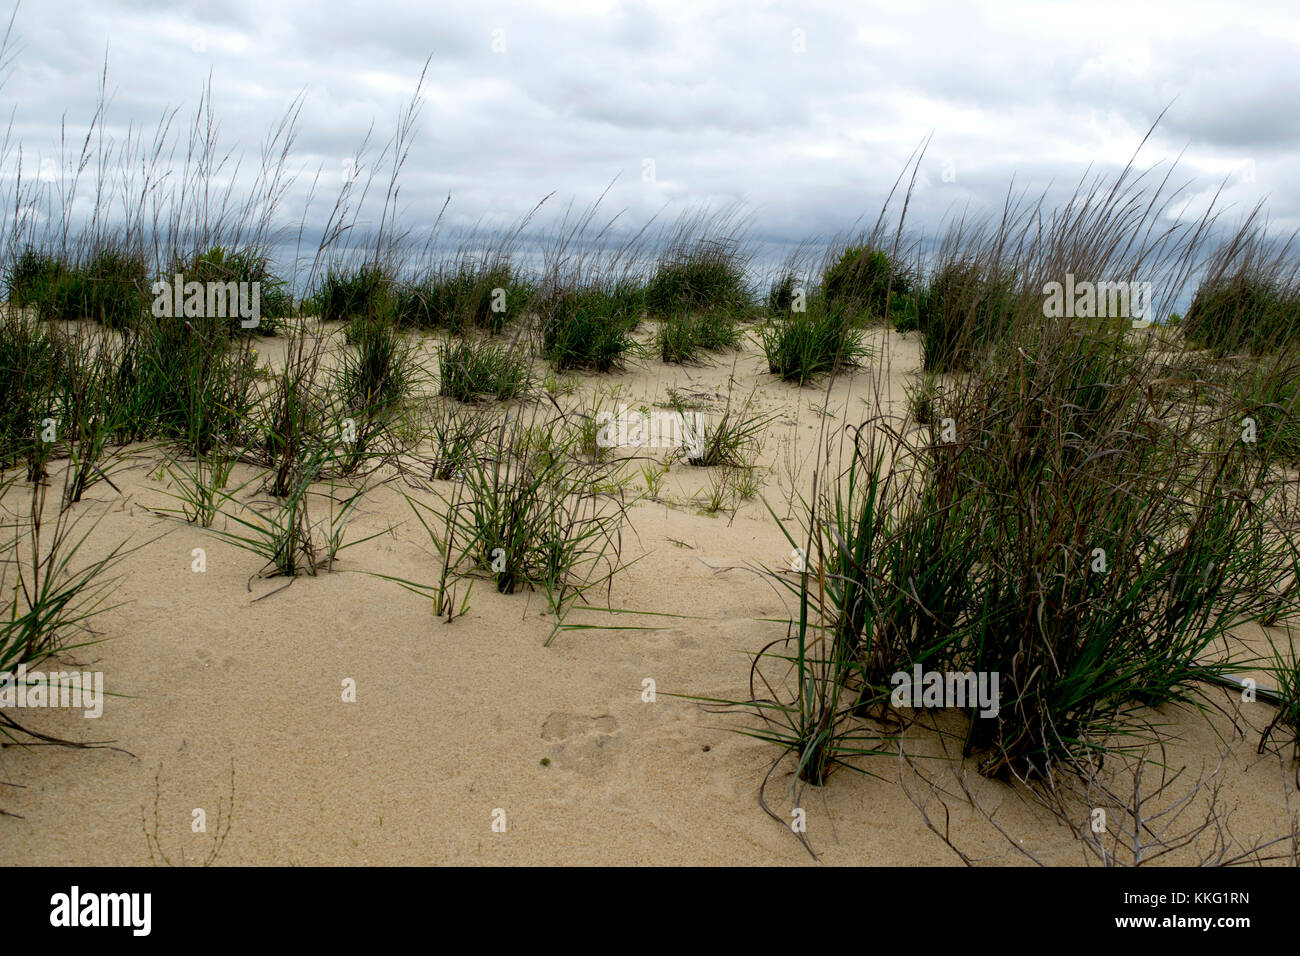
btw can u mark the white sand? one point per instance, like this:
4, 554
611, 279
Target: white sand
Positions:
452, 721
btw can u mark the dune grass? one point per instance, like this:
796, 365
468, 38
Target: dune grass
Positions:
468, 371
682, 337
1060, 503
804, 345
862, 278
54, 589
1061, 511
466, 295
588, 328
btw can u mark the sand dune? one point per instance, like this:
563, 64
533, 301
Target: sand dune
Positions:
453, 722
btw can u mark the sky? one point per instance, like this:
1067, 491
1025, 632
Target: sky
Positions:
805, 114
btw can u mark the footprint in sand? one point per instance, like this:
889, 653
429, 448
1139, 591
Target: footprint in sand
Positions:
582, 744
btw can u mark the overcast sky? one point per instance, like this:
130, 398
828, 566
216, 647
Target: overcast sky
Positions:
805, 112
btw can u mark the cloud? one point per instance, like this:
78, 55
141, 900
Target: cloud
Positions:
807, 112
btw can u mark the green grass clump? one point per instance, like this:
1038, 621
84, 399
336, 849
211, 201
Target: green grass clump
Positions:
531, 513
587, 328
1071, 536
218, 264
1095, 561
287, 537
469, 370
115, 289
190, 381
473, 295
1243, 311
805, 344
458, 433
52, 592
963, 310
862, 279
364, 294
733, 441
376, 373
903, 312
373, 380
31, 279
180, 381
626, 299
683, 336
781, 294
1268, 393
110, 287
1284, 666
33, 361
707, 276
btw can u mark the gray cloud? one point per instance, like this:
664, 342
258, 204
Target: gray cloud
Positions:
525, 100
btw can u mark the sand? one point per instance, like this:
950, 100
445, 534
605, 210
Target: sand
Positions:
453, 723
